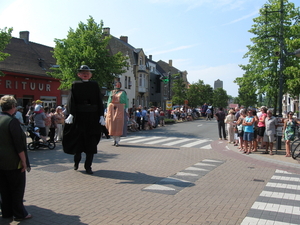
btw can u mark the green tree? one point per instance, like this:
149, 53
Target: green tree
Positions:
199, 93
87, 45
247, 97
220, 98
5, 36
179, 89
270, 42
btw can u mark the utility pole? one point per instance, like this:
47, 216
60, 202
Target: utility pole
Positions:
169, 76
281, 65
281, 68
281, 59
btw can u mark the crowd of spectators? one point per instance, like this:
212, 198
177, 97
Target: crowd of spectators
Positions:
148, 118
50, 121
253, 130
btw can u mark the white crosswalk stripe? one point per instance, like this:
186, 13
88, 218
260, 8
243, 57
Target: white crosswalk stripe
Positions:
278, 203
168, 141
194, 143
177, 142
186, 178
142, 140
159, 141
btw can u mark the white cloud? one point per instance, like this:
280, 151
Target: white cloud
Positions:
224, 5
173, 49
242, 18
194, 4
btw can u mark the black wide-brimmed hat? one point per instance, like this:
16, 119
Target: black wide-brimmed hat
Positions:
85, 67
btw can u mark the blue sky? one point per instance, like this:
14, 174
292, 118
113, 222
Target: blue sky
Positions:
207, 38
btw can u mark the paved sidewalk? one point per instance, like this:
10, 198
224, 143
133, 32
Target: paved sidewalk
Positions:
118, 192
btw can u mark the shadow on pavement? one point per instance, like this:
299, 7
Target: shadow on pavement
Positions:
128, 177
138, 178
44, 216
46, 157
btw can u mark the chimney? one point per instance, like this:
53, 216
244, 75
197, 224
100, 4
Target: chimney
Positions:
150, 57
106, 30
124, 38
24, 35
170, 62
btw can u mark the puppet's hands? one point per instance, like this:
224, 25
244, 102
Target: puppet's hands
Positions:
102, 121
69, 119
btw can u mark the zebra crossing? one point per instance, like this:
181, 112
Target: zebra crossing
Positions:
185, 178
278, 203
168, 141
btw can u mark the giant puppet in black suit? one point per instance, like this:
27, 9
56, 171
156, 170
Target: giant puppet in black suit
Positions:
82, 131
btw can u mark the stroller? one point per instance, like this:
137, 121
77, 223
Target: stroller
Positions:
36, 143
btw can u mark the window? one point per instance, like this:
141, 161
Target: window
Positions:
129, 83
125, 81
145, 81
141, 60
141, 80
158, 84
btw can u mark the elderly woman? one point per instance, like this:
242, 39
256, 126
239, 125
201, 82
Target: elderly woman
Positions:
13, 162
269, 135
60, 120
229, 120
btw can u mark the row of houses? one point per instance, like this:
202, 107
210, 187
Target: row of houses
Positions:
26, 74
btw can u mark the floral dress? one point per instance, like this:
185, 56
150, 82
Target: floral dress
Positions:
289, 133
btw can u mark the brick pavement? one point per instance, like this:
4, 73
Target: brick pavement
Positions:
56, 194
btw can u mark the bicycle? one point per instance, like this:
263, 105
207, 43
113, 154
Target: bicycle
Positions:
39, 144
36, 143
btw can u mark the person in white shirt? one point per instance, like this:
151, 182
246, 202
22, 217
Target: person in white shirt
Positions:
19, 116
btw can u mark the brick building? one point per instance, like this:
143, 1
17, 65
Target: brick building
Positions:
26, 73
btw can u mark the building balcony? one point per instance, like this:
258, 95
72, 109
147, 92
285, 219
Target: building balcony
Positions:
142, 68
142, 89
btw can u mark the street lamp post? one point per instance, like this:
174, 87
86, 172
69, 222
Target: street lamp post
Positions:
281, 61
169, 76
282, 55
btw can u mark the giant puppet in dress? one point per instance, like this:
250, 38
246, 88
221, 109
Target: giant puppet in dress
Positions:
116, 117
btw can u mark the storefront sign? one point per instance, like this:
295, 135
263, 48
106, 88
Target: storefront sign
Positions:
24, 85
168, 105
279, 129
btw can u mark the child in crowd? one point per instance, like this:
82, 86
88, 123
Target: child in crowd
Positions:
208, 114
37, 133
38, 107
133, 124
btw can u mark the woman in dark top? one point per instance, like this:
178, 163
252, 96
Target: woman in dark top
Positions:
13, 162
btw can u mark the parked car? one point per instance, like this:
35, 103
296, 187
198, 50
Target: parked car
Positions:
176, 106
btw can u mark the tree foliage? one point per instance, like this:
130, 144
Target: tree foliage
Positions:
179, 89
87, 45
5, 36
247, 97
261, 74
220, 98
199, 93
